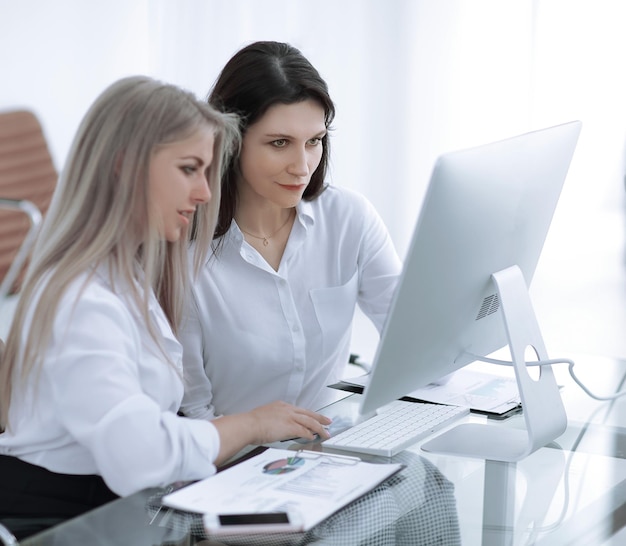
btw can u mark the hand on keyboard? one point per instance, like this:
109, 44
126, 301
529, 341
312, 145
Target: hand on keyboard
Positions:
337, 425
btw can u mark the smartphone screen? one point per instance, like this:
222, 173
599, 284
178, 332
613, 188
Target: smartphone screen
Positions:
253, 519
267, 522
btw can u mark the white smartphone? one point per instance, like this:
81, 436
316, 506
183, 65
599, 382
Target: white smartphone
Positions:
259, 522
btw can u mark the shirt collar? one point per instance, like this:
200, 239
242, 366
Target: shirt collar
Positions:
305, 213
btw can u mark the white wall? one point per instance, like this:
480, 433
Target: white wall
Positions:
56, 57
411, 79
580, 288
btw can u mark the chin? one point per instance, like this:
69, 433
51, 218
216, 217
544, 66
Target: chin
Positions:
291, 201
173, 237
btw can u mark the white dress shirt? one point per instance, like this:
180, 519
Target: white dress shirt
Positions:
252, 335
106, 399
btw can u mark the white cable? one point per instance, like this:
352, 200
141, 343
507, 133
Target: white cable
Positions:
567, 361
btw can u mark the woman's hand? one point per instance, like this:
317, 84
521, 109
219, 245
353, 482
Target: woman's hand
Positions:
269, 423
281, 421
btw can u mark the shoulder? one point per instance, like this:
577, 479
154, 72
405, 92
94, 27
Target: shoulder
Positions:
340, 194
93, 316
90, 296
96, 287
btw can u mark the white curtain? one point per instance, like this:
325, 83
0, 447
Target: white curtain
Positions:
411, 79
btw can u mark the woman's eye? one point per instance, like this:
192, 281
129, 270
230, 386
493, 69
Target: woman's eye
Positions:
315, 141
280, 143
188, 169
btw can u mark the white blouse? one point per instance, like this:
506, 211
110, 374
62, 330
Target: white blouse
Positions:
106, 399
253, 335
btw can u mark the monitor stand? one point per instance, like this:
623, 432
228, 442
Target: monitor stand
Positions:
541, 401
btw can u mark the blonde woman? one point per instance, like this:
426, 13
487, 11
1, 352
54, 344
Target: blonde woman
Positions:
91, 377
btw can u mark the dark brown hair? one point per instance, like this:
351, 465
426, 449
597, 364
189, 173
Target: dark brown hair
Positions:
257, 77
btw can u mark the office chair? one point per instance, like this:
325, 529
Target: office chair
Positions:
27, 181
6, 537
16, 259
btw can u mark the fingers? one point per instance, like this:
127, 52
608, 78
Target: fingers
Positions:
311, 424
273, 422
316, 423
279, 420
317, 416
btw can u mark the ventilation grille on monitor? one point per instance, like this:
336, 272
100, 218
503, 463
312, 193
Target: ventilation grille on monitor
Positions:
490, 305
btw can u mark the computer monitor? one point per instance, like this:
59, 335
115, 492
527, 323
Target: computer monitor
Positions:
463, 291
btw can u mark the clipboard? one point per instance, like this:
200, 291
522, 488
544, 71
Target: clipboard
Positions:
314, 484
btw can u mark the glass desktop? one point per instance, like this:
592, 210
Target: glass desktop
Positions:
572, 491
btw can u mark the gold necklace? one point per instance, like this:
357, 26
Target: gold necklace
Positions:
266, 239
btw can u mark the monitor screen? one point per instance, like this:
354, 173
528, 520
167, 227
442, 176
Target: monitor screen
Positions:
486, 209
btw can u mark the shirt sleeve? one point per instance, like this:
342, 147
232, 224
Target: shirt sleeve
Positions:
93, 372
379, 267
198, 389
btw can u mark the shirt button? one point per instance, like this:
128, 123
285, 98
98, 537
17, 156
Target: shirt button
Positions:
295, 328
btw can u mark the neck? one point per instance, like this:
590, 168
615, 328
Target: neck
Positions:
264, 223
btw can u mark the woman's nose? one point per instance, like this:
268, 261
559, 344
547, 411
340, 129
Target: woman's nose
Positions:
202, 192
299, 165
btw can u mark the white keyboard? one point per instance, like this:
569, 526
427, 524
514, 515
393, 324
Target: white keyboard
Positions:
395, 427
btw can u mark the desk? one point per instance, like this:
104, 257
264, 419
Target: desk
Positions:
570, 492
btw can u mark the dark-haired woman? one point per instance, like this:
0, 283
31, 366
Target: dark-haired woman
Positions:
270, 317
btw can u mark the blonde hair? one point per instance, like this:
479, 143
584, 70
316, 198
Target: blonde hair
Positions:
92, 219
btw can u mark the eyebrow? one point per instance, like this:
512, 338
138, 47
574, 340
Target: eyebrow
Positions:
285, 135
192, 158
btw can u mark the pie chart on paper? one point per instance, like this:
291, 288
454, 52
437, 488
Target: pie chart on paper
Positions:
283, 466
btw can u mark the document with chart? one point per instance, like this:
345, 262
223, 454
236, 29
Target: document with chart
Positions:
471, 388
313, 484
